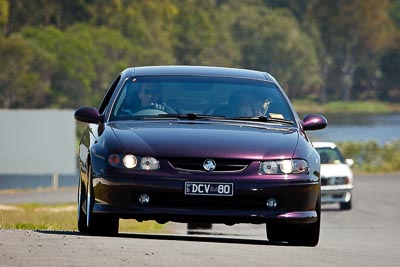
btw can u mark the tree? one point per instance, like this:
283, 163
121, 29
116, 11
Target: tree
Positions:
64, 53
86, 59
390, 66
272, 40
148, 25
4, 14
110, 53
202, 34
23, 81
195, 33
394, 12
60, 13
354, 34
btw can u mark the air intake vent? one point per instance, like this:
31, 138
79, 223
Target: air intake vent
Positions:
222, 165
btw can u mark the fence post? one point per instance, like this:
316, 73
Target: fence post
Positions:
55, 181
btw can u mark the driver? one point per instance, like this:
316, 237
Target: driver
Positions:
149, 95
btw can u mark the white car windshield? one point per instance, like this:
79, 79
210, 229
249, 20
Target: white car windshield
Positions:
330, 155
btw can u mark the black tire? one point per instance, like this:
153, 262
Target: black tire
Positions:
346, 205
103, 225
306, 234
277, 232
98, 224
82, 224
195, 226
296, 234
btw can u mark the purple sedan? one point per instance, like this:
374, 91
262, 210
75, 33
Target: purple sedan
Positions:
199, 145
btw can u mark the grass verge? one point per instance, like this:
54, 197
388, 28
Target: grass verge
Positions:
369, 157
343, 107
60, 217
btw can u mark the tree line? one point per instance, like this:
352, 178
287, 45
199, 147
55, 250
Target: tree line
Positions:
65, 53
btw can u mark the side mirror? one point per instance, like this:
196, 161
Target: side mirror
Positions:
88, 114
350, 162
314, 122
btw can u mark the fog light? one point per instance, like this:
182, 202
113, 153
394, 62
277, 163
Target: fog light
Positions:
144, 199
272, 203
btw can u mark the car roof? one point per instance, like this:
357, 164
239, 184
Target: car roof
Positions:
324, 144
198, 71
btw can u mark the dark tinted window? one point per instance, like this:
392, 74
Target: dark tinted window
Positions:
330, 156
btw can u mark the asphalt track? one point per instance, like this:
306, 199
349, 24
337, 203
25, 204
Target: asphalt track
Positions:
367, 235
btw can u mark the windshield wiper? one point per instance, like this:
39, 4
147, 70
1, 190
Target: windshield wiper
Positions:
190, 116
264, 119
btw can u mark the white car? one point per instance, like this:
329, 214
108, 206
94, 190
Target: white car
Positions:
336, 175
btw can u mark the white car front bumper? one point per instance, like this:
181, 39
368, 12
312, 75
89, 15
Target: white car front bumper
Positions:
336, 193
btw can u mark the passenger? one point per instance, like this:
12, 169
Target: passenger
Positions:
243, 104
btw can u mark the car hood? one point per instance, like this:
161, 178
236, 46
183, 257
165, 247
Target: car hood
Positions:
206, 139
336, 170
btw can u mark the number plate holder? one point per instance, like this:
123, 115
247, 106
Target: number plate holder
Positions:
209, 188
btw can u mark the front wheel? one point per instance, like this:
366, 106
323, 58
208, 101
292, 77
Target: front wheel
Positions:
346, 205
277, 232
82, 224
98, 224
305, 235
296, 234
196, 226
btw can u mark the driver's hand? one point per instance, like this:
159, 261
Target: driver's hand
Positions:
158, 106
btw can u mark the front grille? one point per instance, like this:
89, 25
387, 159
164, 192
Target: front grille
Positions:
334, 181
196, 164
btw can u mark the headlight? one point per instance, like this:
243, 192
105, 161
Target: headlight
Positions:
300, 166
133, 162
149, 163
130, 161
269, 167
286, 166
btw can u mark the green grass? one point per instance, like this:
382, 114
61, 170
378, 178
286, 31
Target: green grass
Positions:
35, 216
343, 107
369, 157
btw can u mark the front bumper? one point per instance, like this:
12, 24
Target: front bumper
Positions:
297, 201
336, 193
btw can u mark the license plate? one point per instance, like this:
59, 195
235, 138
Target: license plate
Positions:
209, 188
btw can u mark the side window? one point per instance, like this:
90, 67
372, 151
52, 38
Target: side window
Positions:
108, 95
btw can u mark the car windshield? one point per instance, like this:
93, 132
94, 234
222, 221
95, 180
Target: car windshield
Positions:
330, 155
199, 97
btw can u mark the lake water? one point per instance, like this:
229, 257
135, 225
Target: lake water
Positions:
359, 128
